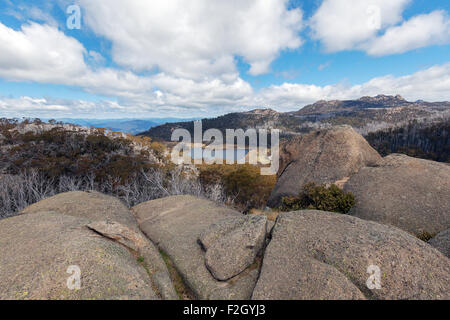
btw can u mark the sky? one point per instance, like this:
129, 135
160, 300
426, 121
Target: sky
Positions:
203, 58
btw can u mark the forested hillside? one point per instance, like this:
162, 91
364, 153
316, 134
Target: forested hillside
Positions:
367, 114
417, 139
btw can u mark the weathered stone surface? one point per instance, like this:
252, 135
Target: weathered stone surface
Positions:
411, 194
37, 249
92, 205
119, 233
218, 229
144, 248
239, 288
270, 225
442, 242
236, 250
321, 255
174, 224
326, 156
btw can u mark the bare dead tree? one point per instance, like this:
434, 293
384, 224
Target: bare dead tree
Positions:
21, 190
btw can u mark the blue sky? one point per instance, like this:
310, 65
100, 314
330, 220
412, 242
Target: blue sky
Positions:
136, 59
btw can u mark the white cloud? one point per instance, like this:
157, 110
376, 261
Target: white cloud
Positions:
198, 40
324, 65
39, 53
346, 24
373, 26
56, 108
216, 97
194, 52
42, 53
26, 13
420, 31
432, 84
181, 98
96, 57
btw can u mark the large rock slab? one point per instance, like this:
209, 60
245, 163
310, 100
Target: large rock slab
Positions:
92, 205
411, 194
322, 157
156, 267
234, 251
37, 250
174, 224
442, 242
321, 255
111, 218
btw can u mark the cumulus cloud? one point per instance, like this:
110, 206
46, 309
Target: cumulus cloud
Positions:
432, 84
44, 54
56, 108
39, 53
420, 31
198, 40
191, 53
376, 26
346, 24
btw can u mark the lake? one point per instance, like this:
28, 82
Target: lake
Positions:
235, 155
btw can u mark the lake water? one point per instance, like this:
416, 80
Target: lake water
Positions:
235, 154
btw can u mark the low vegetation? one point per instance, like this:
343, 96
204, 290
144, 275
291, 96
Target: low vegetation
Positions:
182, 290
426, 236
243, 184
320, 197
37, 162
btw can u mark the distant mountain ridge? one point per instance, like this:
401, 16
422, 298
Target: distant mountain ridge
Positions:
380, 101
367, 114
131, 126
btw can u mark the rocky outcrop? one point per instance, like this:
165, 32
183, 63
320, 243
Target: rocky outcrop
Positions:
232, 246
218, 252
109, 217
91, 205
411, 194
442, 242
379, 102
322, 157
146, 251
40, 253
321, 255
175, 224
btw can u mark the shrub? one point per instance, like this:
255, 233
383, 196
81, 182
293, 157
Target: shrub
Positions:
320, 197
426, 236
244, 183
158, 149
37, 165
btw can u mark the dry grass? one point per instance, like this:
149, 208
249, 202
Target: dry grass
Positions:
184, 293
271, 215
